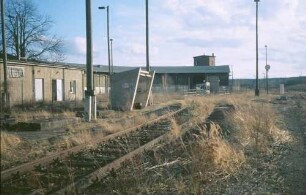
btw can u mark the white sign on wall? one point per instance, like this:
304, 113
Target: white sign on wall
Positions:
15, 72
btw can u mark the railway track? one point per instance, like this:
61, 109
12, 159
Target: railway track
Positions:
75, 169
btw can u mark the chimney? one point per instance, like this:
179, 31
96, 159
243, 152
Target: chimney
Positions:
213, 54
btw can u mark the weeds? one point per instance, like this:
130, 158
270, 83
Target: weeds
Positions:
208, 162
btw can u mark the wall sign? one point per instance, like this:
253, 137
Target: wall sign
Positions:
15, 72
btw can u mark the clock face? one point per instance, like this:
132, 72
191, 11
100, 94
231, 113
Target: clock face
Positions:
267, 67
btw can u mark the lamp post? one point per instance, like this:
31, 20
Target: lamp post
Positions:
267, 67
147, 37
256, 89
108, 41
111, 49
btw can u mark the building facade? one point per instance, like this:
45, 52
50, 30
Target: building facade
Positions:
204, 60
30, 82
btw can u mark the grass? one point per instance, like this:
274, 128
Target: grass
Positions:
12, 152
238, 157
22, 116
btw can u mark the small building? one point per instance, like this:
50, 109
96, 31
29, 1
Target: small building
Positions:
30, 82
204, 60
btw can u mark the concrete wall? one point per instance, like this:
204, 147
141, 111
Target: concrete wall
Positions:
22, 87
123, 89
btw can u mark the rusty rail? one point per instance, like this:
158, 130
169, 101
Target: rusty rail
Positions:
27, 167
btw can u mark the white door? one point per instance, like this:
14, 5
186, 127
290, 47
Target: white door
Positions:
59, 91
39, 90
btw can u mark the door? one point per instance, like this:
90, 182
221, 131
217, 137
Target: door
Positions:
57, 90
39, 90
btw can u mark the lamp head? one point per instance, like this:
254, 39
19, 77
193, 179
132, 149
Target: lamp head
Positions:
103, 7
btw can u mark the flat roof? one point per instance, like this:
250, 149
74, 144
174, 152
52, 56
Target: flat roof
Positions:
169, 69
117, 69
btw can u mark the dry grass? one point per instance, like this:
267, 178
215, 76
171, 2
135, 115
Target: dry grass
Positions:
254, 125
13, 149
176, 130
32, 115
166, 98
213, 155
9, 141
212, 163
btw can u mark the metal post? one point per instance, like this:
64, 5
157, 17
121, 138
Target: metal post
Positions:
89, 74
17, 36
5, 102
232, 78
147, 37
256, 89
108, 47
266, 69
267, 79
112, 62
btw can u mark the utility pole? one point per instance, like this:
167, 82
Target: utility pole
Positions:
89, 93
256, 88
5, 96
17, 36
147, 36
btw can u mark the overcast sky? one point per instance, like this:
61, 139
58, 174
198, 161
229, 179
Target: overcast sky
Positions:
182, 29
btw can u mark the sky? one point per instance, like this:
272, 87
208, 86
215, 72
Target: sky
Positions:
182, 29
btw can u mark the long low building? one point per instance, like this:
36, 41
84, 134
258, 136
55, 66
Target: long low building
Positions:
179, 78
30, 82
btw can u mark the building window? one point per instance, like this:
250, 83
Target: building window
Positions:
72, 87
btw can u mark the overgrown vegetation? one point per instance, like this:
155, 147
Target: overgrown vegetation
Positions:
16, 152
250, 152
240, 157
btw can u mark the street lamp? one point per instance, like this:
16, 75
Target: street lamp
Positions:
108, 41
111, 49
147, 37
256, 89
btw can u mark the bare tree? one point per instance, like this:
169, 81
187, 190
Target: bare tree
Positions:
28, 33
